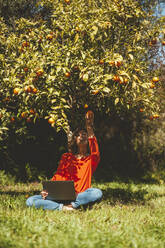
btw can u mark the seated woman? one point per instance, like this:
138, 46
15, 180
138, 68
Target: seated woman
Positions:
76, 165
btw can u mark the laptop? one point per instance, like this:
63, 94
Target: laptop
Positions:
60, 190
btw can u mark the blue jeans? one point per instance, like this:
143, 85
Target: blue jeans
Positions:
90, 195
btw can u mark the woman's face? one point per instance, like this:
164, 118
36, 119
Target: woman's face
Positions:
82, 138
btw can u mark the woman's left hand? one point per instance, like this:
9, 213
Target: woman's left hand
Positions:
89, 118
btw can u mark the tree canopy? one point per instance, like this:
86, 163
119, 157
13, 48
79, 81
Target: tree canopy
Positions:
58, 59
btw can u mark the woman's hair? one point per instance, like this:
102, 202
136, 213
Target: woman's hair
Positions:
72, 145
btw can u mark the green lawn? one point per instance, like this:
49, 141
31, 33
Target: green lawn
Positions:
130, 215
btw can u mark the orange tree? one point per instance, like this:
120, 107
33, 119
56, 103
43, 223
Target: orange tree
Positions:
71, 56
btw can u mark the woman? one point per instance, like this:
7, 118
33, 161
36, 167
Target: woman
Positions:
77, 166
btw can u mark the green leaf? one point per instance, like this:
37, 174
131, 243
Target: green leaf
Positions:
133, 84
116, 101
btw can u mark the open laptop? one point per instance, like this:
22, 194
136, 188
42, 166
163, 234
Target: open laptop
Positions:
60, 190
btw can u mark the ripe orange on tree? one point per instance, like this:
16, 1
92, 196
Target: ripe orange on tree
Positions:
16, 91
39, 72
95, 92
24, 114
34, 90
125, 80
141, 110
163, 42
118, 63
32, 111
49, 37
67, 74
155, 116
111, 63
152, 86
12, 119
28, 89
155, 79
86, 106
25, 69
51, 120
116, 78
101, 61
153, 42
67, 1
25, 44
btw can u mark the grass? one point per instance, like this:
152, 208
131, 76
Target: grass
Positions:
130, 215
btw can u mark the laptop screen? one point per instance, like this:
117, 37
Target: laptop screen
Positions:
60, 190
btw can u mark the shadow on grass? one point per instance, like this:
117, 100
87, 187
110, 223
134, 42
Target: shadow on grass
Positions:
17, 193
127, 196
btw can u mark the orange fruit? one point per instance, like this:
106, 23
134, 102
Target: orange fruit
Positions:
151, 118
67, 74
154, 41
67, 1
51, 120
125, 80
39, 72
111, 63
155, 116
101, 61
23, 114
152, 86
12, 119
86, 106
25, 44
25, 69
95, 92
16, 91
155, 79
34, 90
32, 111
7, 99
116, 78
118, 63
49, 37
163, 42
28, 89
141, 110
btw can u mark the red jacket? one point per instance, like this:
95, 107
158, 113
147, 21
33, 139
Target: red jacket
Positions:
79, 170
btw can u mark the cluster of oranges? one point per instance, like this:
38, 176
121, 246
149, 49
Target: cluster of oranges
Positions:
156, 116
25, 115
27, 89
153, 117
154, 41
116, 63
154, 80
120, 79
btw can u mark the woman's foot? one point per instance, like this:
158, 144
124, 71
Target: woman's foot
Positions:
68, 207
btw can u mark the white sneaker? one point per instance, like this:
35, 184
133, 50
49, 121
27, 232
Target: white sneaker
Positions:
70, 208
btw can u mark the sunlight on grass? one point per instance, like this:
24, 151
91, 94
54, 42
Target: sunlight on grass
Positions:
130, 215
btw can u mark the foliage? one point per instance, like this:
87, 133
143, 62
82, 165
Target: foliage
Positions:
130, 215
6, 179
80, 55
